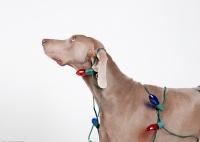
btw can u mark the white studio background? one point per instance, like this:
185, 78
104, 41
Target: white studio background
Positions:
152, 41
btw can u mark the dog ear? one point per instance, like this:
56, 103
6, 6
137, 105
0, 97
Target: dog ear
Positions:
100, 67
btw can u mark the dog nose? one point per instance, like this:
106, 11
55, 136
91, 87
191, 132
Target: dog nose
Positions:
44, 41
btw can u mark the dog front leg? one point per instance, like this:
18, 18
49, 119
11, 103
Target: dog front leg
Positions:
103, 134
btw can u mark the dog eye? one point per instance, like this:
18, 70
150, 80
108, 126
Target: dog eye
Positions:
73, 38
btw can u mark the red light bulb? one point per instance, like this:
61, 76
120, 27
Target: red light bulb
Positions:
152, 127
81, 72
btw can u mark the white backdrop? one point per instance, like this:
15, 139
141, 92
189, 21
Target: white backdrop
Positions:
152, 41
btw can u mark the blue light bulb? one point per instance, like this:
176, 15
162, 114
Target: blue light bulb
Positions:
153, 99
94, 120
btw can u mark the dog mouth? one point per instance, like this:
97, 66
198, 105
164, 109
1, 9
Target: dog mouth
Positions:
59, 61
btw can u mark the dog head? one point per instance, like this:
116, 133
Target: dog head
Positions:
78, 51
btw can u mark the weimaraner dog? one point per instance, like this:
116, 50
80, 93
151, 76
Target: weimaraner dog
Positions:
126, 111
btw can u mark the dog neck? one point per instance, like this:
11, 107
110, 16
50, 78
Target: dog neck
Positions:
117, 83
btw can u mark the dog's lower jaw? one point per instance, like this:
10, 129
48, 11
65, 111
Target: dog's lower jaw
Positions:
85, 65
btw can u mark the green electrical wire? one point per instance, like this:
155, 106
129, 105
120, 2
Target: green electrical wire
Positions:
157, 111
159, 119
99, 90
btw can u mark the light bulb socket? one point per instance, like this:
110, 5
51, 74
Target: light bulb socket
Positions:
97, 125
89, 71
159, 107
161, 124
